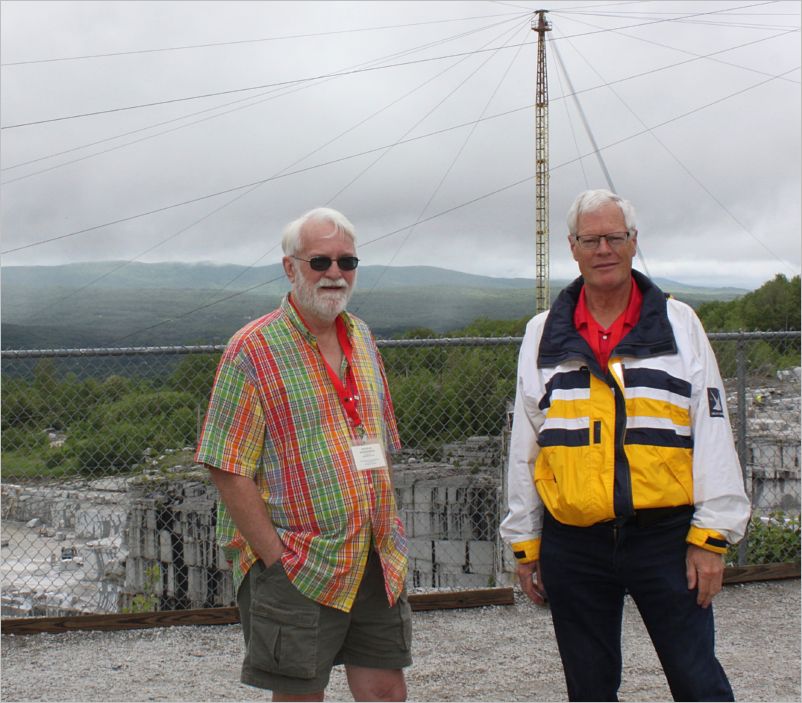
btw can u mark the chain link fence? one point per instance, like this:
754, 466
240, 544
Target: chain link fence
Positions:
104, 511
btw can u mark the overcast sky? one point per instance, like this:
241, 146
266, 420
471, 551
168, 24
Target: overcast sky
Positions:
400, 113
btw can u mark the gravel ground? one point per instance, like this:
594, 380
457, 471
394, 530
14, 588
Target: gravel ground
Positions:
500, 653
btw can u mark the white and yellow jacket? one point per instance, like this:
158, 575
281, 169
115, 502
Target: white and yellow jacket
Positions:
651, 432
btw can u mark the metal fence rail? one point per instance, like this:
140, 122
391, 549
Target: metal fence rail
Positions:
103, 509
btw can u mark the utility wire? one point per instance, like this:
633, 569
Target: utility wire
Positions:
327, 75
701, 22
568, 115
674, 157
609, 4
351, 129
626, 78
387, 57
231, 91
351, 156
512, 4
229, 297
241, 187
403, 138
592, 138
284, 37
273, 94
248, 192
702, 56
477, 199
640, 13
447, 172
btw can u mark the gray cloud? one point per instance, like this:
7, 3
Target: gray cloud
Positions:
717, 195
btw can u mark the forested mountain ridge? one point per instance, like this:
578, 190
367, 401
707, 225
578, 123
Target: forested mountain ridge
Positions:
133, 304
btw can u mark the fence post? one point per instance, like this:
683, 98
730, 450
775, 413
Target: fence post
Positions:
740, 374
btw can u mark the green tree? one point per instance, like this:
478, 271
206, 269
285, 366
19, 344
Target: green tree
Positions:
775, 306
195, 375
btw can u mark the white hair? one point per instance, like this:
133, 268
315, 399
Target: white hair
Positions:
291, 237
592, 200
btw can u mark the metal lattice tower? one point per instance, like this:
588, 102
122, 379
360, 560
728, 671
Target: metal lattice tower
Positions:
541, 26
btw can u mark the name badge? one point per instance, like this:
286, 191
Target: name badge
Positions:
369, 455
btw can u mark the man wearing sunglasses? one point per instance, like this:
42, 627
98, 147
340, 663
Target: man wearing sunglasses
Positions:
297, 439
623, 476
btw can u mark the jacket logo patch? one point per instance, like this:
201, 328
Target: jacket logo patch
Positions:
714, 404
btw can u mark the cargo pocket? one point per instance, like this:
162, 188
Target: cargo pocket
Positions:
406, 621
284, 628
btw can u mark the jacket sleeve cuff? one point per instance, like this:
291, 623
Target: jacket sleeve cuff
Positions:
710, 540
526, 552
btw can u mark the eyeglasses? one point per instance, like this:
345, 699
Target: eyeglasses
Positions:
323, 263
614, 240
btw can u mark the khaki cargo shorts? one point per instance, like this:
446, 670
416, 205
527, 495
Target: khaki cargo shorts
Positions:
292, 642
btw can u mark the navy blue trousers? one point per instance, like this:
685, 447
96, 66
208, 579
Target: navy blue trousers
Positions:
587, 571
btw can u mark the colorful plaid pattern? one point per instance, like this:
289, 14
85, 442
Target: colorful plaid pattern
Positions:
274, 416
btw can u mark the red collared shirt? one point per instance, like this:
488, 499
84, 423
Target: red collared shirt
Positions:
603, 341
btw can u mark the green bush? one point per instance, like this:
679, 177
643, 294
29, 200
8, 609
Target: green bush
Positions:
23, 438
772, 538
22, 405
114, 437
114, 449
195, 375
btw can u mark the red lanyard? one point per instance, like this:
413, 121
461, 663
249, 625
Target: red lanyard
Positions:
348, 392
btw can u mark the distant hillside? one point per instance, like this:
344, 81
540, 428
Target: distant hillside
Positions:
208, 276
108, 304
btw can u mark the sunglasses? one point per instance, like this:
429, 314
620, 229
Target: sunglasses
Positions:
323, 263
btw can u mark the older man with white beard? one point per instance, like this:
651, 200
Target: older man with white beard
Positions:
296, 439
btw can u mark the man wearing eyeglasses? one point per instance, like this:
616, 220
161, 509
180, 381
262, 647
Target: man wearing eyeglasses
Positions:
296, 438
623, 476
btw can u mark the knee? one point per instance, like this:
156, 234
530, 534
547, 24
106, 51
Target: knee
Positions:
396, 691
384, 688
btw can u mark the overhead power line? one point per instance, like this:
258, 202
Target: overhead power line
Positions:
442, 213
340, 73
697, 57
449, 169
231, 190
277, 84
248, 191
284, 37
702, 22
408, 228
284, 174
665, 147
272, 95
710, 56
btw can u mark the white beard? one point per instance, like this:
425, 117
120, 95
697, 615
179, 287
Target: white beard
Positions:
325, 305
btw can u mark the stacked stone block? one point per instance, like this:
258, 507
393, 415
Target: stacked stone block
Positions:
172, 532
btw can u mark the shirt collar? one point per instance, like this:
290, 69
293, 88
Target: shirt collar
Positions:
631, 313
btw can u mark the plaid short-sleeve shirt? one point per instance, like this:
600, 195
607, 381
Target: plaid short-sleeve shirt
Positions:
275, 417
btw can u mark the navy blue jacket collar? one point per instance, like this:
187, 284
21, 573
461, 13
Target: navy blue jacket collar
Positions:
652, 336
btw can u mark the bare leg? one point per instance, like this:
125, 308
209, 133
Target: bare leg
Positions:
376, 684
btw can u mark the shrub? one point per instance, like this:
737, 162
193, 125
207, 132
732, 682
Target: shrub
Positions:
115, 436
771, 539
21, 438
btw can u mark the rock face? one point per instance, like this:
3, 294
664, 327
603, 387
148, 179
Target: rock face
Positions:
95, 546
149, 541
171, 528
773, 449
63, 547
